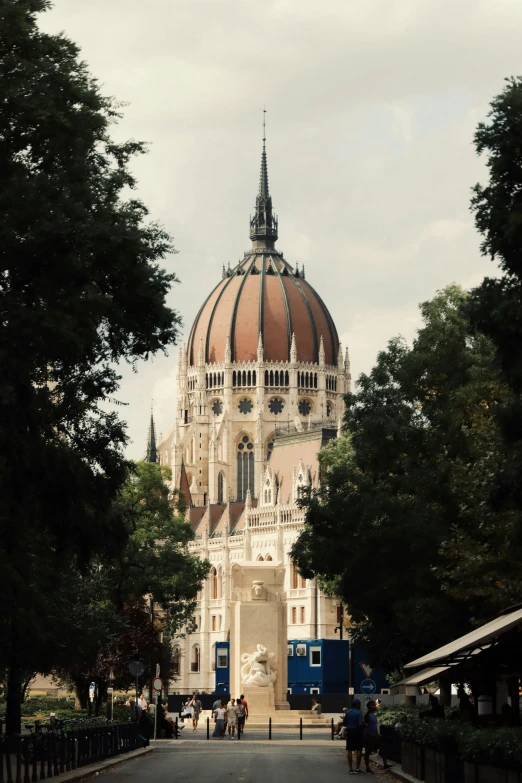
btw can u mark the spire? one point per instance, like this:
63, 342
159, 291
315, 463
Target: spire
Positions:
260, 348
152, 454
321, 351
263, 226
228, 352
340, 358
201, 354
347, 362
293, 350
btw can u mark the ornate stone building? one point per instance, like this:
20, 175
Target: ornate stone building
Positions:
259, 391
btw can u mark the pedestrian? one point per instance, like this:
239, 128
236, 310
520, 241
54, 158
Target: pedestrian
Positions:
316, 707
187, 709
221, 720
216, 704
196, 711
240, 717
142, 702
372, 739
245, 705
354, 723
232, 716
340, 729
135, 711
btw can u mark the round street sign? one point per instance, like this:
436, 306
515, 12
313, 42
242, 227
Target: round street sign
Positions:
368, 686
157, 684
136, 668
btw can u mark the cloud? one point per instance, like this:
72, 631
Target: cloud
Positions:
371, 113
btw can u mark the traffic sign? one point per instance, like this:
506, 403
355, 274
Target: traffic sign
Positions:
136, 668
157, 684
368, 686
367, 670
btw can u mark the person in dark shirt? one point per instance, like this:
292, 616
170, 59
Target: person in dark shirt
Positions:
354, 723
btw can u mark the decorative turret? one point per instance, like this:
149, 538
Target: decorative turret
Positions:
340, 358
228, 352
263, 226
293, 350
152, 454
321, 352
260, 348
201, 354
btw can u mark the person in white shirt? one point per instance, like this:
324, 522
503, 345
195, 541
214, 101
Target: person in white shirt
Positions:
142, 702
232, 713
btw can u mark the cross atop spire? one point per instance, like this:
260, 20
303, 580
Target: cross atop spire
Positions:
152, 454
263, 226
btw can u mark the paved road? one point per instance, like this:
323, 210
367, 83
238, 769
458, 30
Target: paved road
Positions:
238, 762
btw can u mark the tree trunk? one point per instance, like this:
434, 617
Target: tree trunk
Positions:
13, 715
27, 680
81, 689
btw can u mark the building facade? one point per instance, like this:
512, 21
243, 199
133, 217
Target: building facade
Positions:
259, 392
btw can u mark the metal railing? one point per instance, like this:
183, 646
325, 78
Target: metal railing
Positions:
46, 754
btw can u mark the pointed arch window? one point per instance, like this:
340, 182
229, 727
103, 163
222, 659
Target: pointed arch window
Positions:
245, 468
195, 659
221, 485
214, 586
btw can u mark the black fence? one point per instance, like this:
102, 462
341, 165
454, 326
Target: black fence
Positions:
330, 702
34, 757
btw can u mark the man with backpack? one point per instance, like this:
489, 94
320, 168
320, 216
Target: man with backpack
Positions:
354, 722
241, 716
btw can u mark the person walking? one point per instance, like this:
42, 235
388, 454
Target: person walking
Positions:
245, 705
221, 719
354, 723
372, 739
196, 711
232, 715
240, 717
142, 702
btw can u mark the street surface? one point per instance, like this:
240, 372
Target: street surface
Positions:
246, 761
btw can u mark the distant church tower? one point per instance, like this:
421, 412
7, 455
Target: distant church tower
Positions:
152, 453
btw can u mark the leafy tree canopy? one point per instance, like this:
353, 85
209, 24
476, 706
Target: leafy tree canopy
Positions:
412, 478
81, 288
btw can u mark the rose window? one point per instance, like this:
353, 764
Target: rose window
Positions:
217, 408
305, 408
276, 406
245, 406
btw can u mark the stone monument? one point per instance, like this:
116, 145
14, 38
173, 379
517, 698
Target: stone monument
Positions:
258, 637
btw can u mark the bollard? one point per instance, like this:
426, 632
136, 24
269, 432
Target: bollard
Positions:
208, 728
332, 729
176, 730
270, 728
300, 728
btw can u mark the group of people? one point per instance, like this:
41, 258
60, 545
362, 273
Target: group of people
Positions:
361, 731
230, 716
226, 714
138, 711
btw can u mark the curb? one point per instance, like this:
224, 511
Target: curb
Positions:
91, 769
396, 771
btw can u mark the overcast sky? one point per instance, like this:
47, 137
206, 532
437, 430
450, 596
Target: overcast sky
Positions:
371, 108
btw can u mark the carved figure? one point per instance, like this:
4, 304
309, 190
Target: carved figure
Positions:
258, 668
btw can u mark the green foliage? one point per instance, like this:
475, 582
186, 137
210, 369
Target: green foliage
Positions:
413, 479
81, 289
496, 747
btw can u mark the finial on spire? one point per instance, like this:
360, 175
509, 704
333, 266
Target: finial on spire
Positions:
263, 226
223, 273
303, 272
293, 350
260, 348
228, 352
322, 357
151, 454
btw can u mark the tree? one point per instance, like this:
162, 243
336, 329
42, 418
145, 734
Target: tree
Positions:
413, 475
110, 617
497, 302
80, 289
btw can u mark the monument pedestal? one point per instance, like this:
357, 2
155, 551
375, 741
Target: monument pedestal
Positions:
260, 700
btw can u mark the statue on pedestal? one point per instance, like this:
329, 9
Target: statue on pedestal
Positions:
258, 668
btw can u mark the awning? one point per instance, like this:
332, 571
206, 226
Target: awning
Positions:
472, 643
424, 676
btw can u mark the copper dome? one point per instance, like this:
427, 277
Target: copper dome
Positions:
263, 294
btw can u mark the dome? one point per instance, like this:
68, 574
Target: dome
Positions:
263, 295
